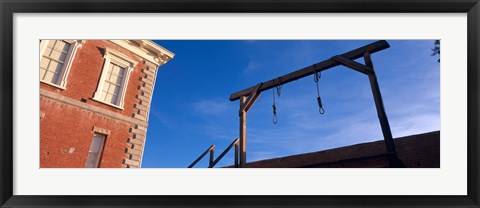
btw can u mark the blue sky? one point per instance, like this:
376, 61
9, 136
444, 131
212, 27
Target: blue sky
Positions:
191, 109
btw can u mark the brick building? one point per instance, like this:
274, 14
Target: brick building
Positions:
94, 101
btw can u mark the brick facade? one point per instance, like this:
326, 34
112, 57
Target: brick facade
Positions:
69, 117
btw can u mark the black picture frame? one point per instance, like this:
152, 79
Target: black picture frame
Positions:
10, 7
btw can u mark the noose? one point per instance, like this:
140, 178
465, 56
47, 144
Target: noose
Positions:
274, 106
317, 77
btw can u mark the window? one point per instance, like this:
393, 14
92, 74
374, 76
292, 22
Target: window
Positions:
113, 84
114, 79
95, 152
55, 60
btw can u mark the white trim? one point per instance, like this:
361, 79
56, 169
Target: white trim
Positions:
74, 45
160, 55
53, 85
103, 102
112, 56
125, 60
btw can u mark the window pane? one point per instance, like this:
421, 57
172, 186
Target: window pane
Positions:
96, 144
108, 98
119, 81
103, 95
106, 85
111, 90
55, 55
114, 99
112, 78
115, 69
63, 57
48, 76
121, 72
55, 78
95, 151
55, 67
117, 90
44, 63
47, 52
51, 43
91, 160
62, 46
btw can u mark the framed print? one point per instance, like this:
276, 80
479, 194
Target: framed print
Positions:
209, 63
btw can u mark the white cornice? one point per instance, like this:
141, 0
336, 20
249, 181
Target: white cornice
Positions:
108, 52
147, 49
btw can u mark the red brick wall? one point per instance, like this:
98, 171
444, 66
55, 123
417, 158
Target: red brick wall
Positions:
415, 151
66, 131
85, 73
64, 127
422, 150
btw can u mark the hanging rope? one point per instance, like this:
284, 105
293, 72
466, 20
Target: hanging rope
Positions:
279, 86
274, 106
316, 77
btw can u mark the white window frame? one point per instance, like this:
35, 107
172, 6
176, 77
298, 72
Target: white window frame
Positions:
74, 45
112, 56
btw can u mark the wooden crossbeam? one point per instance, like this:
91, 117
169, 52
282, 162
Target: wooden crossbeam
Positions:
252, 98
321, 66
353, 65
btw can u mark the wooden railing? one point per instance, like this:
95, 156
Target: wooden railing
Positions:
211, 149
